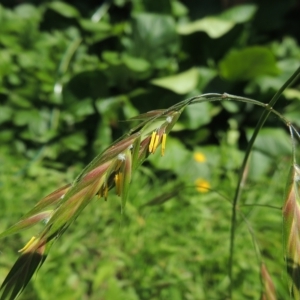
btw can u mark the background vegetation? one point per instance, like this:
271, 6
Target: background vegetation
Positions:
71, 72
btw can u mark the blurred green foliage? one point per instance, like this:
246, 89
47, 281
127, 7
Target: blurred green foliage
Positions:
71, 72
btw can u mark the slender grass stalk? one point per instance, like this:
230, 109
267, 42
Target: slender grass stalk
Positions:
238, 191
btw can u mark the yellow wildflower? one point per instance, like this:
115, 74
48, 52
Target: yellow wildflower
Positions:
199, 157
202, 185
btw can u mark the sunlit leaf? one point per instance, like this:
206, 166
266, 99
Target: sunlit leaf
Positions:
215, 27
64, 9
181, 83
248, 63
240, 13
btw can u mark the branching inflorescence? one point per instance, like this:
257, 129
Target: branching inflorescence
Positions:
112, 169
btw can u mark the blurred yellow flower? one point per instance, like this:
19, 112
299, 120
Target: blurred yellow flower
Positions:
199, 157
202, 185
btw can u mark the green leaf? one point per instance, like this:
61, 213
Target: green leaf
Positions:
74, 141
195, 116
217, 26
91, 26
28, 11
181, 83
272, 141
25, 117
154, 37
5, 114
175, 156
240, 13
248, 63
64, 9
136, 64
271, 144
213, 26
205, 76
179, 9
292, 94
94, 83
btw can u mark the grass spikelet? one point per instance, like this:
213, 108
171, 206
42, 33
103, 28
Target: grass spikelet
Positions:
291, 230
28, 222
268, 285
20, 274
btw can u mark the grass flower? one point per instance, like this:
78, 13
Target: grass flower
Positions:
291, 230
111, 169
30, 242
268, 285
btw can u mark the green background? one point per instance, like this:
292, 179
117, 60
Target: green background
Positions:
72, 72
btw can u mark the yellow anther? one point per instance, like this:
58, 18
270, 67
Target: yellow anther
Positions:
152, 140
121, 178
28, 244
105, 191
117, 184
163, 144
155, 143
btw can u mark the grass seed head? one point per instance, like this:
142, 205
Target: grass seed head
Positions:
291, 230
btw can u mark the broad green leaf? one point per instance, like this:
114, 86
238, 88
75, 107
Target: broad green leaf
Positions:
161, 7
270, 145
292, 94
28, 11
248, 63
93, 26
5, 113
154, 37
259, 164
5, 62
94, 82
272, 141
64, 9
136, 64
175, 156
195, 116
181, 83
240, 13
111, 57
178, 9
217, 26
24, 117
74, 141
292, 113
213, 26
205, 76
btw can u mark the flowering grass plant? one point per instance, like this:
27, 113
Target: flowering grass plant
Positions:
112, 170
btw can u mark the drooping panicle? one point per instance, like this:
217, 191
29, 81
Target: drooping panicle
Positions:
291, 230
111, 169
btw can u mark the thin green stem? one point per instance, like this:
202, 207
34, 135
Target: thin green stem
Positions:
261, 205
263, 118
